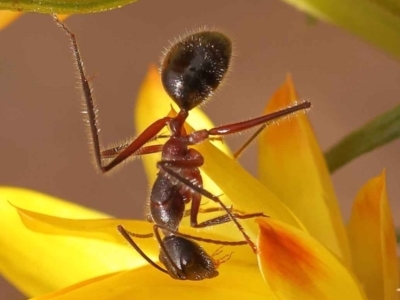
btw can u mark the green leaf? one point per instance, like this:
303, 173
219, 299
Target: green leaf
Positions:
63, 6
380, 131
377, 21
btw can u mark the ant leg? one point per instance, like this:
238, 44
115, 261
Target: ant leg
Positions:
214, 209
201, 135
166, 252
265, 119
200, 239
224, 218
162, 136
217, 220
114, 152
223, 259
239, 151
91, 112
111, 153
196, 204
139, 235
127, 235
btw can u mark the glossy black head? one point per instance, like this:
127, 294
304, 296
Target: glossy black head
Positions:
190, 259
194, 67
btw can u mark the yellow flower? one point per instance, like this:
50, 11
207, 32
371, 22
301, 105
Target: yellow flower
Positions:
305, 251
8, 16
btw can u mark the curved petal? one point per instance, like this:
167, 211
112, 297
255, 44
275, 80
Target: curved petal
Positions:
373, 241
137, 282
296, 266
245, 192
62, 17
105, 229
32, 200
7, 17
292, 165
99, 229
54, 259
234, 282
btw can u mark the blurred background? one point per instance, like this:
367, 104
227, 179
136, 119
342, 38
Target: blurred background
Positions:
43, 142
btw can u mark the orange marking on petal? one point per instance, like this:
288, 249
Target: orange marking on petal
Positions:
289, 258
373, 241
369, 207
297, 266
285, 96
289, 154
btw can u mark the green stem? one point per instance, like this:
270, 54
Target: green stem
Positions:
377, 132
63, 6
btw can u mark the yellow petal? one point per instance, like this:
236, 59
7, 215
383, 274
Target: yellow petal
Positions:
97, 257
235, 281
100, 229
373, 241
39, 263
296, 266
105, 229
244, 191
63, 17
7, 17
292, 166
63, 291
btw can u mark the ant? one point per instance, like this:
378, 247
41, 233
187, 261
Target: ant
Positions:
192, 69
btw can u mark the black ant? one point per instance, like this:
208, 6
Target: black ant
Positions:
191, 71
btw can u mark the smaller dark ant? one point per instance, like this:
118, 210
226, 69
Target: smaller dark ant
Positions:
191, 71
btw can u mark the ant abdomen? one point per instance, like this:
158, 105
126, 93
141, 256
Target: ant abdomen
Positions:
195, 66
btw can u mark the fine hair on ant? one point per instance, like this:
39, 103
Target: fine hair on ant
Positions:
192, 69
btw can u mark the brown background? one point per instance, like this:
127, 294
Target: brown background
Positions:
43, 145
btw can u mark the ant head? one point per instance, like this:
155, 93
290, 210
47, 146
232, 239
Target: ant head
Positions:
187, 260
195, 66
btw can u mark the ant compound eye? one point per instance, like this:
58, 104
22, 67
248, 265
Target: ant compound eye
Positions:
195, 66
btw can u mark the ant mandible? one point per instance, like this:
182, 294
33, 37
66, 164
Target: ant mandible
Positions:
191, 71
